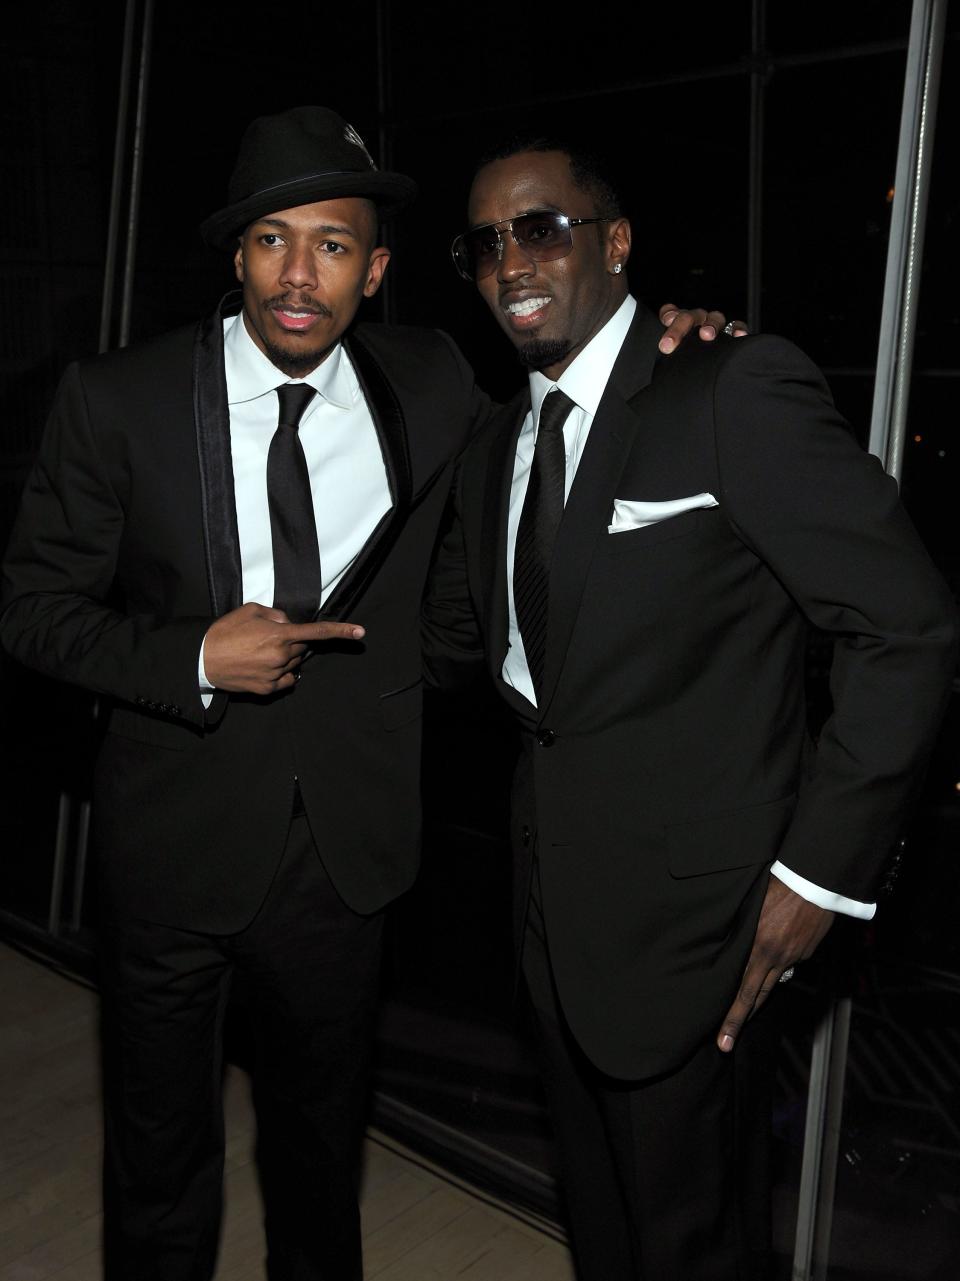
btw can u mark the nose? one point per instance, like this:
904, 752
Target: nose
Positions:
298, 270
512, 262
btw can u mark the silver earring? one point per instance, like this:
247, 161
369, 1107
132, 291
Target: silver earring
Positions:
617, 268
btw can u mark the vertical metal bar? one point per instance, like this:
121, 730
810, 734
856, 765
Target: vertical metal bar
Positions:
136, 174
817, 1092
821, 1142
907, 224
55, 911
388, 300
830, 1137
758, 76
80, 864
887, 435
116, 188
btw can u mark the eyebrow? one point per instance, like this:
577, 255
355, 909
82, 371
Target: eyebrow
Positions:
319, 229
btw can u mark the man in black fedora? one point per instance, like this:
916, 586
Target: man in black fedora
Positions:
212, 516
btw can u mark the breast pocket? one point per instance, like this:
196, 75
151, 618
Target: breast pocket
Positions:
649, 535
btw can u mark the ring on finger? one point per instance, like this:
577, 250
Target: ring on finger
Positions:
729, 328
787, 974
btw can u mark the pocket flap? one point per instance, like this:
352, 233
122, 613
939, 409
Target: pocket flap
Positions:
400, 706
722, 842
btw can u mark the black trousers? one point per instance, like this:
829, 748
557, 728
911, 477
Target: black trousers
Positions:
664, 1179
310, 971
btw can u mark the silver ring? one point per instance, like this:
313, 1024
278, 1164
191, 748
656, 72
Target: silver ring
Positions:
787, 975
729, 328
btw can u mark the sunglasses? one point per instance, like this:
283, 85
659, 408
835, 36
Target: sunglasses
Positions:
542, 237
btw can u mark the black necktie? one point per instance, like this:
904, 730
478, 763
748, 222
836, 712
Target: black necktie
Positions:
293, 527
537, 531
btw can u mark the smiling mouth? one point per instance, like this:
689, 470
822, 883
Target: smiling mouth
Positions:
526, 306
524, 313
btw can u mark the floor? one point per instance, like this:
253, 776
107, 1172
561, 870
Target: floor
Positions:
418, 1224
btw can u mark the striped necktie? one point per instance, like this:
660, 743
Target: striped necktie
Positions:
537, 532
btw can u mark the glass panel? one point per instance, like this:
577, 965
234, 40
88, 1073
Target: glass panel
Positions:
822, 27
57, 140
447, 63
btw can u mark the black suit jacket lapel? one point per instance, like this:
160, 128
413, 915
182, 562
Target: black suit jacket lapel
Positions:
612, 436
218, 502
388, 419
498, 481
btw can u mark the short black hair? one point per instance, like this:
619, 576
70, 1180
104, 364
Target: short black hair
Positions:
590, 170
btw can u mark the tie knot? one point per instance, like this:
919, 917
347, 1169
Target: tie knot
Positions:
554, 410
293, 401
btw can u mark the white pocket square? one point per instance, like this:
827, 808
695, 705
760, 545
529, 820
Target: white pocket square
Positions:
633, 513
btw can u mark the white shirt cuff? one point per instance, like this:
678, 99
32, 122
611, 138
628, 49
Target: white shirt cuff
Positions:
823, 898
206, 689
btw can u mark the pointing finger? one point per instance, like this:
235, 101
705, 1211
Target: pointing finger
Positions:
324, 631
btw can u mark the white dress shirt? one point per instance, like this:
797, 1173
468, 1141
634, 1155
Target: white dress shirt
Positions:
584, 381
348, 477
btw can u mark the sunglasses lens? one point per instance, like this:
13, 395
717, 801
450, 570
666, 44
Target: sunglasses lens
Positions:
477, 252
543, 236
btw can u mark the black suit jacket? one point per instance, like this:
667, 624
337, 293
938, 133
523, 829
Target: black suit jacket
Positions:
667, 765
126, 549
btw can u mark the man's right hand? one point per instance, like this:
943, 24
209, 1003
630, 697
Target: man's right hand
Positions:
257, 650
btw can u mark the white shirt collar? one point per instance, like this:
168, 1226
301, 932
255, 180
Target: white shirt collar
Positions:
585, 378
250, 374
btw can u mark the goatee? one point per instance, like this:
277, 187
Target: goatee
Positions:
541, 353
295, 364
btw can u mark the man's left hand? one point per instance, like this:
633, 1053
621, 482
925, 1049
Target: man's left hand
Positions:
679, 323
789, 930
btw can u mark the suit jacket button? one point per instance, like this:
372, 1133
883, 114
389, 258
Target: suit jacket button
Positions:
175, 710
546, 738
525, 835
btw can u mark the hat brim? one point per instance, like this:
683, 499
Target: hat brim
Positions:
390, 192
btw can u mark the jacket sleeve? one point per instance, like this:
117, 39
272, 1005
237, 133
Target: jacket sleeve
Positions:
60, 611
822, 514
450, 632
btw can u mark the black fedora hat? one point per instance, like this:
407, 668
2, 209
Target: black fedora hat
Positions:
296, 158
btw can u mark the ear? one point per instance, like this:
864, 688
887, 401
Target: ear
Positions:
377, 265
618, 243
238, 261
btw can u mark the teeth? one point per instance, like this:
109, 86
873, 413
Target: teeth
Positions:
526, 307
296, 315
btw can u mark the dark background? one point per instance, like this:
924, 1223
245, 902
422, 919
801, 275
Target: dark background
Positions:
666, 89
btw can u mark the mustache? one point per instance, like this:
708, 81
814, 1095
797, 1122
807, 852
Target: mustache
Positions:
298, 303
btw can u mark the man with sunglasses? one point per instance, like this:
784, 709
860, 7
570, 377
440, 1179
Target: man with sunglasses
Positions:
638, 548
